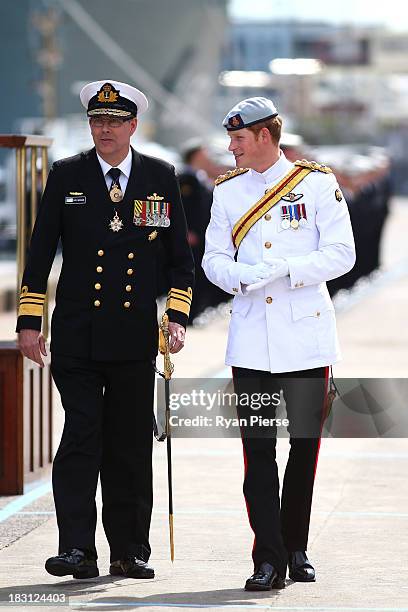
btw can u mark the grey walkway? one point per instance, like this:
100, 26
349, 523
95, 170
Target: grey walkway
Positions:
359, 531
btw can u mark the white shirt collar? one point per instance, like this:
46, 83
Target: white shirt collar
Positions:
125, 166
281, 166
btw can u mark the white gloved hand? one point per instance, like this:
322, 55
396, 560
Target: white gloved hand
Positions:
278, 269
254, 273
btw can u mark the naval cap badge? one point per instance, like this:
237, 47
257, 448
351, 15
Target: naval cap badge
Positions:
108, 93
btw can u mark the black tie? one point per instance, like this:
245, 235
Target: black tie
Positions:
114, 173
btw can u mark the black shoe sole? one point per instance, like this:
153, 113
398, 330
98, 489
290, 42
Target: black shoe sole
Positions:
301, 579
84, 573
80, 573
278, 583
117, 571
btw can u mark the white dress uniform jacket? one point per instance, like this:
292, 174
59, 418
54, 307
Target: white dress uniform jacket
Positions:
289, 324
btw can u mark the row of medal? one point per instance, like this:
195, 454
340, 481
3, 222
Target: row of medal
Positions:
151, 213
293, 216
146, 213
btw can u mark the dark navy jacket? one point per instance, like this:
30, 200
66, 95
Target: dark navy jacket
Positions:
106, 294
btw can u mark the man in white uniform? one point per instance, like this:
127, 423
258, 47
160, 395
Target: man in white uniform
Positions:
278, 232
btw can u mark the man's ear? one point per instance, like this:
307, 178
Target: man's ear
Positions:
265, 135
133, 126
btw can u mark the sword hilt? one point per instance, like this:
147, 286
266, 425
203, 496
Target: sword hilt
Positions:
168, 366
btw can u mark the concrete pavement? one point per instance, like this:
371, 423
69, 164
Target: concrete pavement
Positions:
359, 530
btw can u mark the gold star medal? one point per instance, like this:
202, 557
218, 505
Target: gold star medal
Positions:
116, 194
116, 224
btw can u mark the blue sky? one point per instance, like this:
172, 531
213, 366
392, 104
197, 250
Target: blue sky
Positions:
392, 13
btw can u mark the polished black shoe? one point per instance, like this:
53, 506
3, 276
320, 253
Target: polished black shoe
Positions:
265, 578
131, 567
75, 562
300, 568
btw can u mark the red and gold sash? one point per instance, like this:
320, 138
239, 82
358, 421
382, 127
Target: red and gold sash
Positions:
272, 196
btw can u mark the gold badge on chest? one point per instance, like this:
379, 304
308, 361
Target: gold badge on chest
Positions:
116, 194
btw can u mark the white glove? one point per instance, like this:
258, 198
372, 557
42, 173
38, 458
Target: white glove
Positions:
254, 273
278, 268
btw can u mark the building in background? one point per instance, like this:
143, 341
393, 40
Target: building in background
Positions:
359, 79
172, 50
52, 47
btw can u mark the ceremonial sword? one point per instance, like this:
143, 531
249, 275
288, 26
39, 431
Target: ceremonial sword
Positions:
168, 371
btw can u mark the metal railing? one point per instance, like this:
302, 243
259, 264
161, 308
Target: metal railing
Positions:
30, 180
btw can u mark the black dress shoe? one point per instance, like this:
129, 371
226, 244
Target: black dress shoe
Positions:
265, 578
300, 568
131, 567
75, 562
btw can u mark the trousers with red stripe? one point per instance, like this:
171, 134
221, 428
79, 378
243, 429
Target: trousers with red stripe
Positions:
280, 526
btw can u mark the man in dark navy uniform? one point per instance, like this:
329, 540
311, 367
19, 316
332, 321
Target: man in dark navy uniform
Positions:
111, 207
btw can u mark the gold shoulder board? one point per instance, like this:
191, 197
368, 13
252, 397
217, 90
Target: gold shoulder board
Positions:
229, 175
313, 166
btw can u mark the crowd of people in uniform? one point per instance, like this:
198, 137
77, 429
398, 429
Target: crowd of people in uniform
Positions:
367, 186
365, 179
